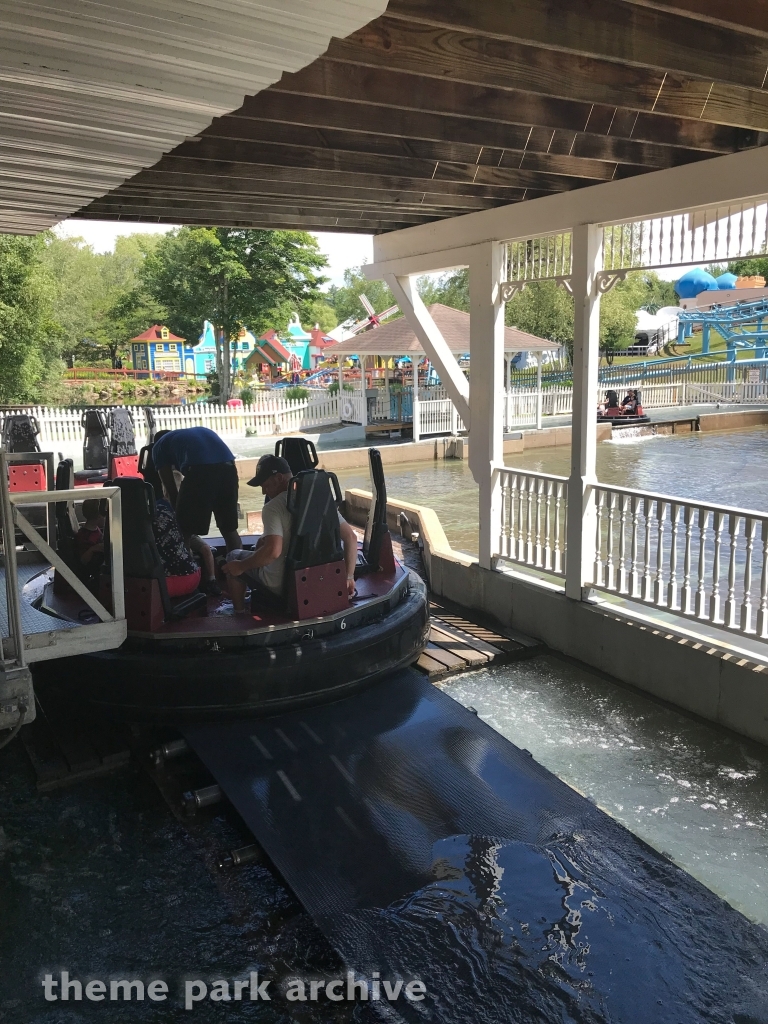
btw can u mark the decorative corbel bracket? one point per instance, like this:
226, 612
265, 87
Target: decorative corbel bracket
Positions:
509, 289
607, 279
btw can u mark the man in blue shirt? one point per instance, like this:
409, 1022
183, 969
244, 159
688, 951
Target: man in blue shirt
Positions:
210, 481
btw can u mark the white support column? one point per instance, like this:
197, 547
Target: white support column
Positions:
387, 399
425, 329
538, 391
587, 256
416, 403
486, 440
364, 415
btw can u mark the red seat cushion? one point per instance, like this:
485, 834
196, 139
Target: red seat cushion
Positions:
26, 476
123, 465
179, 586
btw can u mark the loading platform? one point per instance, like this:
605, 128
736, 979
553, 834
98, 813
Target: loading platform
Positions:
426, 846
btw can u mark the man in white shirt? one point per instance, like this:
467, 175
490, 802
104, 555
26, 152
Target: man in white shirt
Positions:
263, 569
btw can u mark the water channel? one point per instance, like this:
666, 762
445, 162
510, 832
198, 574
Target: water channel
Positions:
689, 789
729, 469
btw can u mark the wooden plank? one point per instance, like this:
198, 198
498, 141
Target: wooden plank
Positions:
445, 657
308, 189
432, 668
442, 633
610, 29
461, 648
500, 63
248, 178
244, 161
364, 116
745, 17
269, 195
376, 158
332, 80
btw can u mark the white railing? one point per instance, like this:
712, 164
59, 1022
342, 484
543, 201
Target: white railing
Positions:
351, 407
439, 416
737, 393
533, 518
23, 644
268, 415
703, 561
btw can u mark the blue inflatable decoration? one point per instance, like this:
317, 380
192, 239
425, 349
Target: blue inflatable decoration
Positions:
694, 282
726, 281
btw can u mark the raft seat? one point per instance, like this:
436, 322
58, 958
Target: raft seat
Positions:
123, 466
147, 602
316, 577
26, 476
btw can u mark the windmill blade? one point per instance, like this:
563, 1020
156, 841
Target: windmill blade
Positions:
387, 312
366, 302
359, 327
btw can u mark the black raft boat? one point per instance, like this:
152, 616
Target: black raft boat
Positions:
185, 661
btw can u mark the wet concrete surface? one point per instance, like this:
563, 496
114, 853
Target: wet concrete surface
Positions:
102, 881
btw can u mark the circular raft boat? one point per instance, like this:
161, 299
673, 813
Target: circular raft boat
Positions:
196, 660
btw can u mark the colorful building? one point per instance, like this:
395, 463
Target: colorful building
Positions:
158, 349
205, 350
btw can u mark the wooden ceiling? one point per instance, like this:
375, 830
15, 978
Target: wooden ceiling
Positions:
442, 107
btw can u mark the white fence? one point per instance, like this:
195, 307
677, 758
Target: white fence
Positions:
271, 414
533, 517
268, 416
701, 561
697, 560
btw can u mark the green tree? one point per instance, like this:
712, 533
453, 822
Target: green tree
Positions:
100, 299
750, 266
73, 268
235, 278
345, 299
30, 338
450, 289
319, 312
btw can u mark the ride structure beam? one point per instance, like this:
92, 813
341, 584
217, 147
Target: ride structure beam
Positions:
609, 29
486, 438
586, 248
435, 346
486, 60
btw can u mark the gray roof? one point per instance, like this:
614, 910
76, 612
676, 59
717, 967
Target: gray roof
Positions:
397, 338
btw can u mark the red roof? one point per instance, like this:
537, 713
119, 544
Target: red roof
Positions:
319, 339
155, 333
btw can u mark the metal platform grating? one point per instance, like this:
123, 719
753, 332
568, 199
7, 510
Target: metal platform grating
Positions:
32, 621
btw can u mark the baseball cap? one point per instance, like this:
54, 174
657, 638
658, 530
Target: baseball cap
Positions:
266, 467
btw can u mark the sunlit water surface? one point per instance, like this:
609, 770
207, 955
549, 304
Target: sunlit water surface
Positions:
692, 791
726, 468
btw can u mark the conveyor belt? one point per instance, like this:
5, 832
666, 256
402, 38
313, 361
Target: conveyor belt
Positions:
426, 845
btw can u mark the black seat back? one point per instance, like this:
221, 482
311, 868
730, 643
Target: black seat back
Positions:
376, 524
140, 555
65, 530
20, 433
313, 501
299, 452
148, 469
95, 440
122, 439
141, 559
151, 424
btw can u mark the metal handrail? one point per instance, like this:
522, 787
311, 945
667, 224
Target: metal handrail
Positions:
13, 519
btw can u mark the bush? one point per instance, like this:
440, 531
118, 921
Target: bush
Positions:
246, 396
213, 383
296, 394
333, 389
